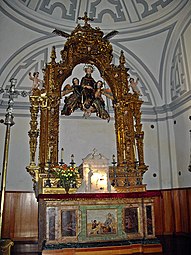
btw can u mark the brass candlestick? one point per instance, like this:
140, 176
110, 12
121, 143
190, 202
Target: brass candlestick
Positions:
5, 244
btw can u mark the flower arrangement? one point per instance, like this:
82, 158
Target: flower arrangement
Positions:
67, 176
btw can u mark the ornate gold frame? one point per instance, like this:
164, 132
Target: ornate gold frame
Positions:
88, 45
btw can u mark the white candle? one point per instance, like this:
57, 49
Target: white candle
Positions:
124, 155
49, 153
135, 154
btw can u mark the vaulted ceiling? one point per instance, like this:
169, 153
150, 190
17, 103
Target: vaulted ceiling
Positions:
154, 35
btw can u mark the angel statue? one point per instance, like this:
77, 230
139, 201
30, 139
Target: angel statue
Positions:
36, 81
73, 101
99, 103
133, 85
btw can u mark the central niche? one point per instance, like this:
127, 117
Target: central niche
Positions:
90, 95
82, 134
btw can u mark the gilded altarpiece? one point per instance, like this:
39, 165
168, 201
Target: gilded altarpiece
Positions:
80, 218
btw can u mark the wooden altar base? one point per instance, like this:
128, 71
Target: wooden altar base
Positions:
130, 219
109, 250
143, 246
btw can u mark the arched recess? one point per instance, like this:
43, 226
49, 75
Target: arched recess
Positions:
88, 45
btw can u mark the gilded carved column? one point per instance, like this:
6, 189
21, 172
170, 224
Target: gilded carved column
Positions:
122, 113
53, 110
34, 131
49, 123
53, 131
43, 130
129, 133
139, 135
119, 129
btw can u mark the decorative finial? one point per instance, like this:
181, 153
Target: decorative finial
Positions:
94, 151
122, 59
53, 54
85, 19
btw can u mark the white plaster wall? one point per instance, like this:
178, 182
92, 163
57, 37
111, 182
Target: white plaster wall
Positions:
81, 136
17, 177
183, 144
151, 160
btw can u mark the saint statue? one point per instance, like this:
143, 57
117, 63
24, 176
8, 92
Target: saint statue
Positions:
88, 87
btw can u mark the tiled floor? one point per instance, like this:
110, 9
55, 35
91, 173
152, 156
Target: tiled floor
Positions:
172, 245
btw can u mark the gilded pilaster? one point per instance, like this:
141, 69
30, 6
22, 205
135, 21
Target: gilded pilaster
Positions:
34, 131
139, 134
43, 131
53, 110
119, 129
49, 105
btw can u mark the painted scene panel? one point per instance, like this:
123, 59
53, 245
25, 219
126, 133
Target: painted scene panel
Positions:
68, 223
131, 220
101, 222
149, 220
51, 223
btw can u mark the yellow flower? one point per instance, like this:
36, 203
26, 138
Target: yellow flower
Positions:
67, 175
